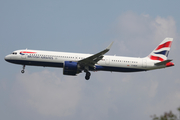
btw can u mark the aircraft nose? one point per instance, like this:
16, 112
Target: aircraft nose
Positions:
7, 58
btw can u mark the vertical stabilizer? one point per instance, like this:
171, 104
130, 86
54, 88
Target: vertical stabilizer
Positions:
162, 50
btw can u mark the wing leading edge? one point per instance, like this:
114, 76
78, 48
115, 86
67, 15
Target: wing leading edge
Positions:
92, 60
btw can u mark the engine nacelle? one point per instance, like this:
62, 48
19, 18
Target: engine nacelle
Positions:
70, 68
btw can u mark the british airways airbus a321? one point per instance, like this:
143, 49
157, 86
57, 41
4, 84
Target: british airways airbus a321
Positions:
75, 63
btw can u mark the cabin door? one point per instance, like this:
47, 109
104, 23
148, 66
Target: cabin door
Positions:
23, 56
144, 61
107, 61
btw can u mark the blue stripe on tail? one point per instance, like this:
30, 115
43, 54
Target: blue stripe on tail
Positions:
164, 52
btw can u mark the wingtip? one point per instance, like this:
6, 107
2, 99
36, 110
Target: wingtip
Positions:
110, 45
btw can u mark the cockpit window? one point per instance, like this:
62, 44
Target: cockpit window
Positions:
14, 53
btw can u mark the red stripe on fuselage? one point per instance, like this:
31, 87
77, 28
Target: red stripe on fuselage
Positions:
26, 52
167, 44
156, 58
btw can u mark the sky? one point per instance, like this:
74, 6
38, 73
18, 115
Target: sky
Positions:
82, 26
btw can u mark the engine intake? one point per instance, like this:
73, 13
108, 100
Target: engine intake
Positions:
70, 68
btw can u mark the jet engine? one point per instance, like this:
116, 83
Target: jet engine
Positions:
71, 68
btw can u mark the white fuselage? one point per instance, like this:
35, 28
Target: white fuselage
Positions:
57, 59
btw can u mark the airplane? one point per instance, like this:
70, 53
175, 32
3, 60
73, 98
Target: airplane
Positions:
75, 63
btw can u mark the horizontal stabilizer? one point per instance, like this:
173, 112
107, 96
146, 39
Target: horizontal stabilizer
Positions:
163, 62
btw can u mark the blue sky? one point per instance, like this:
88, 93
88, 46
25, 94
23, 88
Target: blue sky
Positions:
136, 27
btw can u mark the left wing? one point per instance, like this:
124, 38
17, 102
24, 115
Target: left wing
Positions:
92, 60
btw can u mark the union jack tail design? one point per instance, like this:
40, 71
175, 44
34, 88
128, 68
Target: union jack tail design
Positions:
162, 51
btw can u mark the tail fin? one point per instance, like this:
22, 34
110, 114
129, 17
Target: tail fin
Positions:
162, 51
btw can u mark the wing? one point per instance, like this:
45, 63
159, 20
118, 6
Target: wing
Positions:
92, 60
